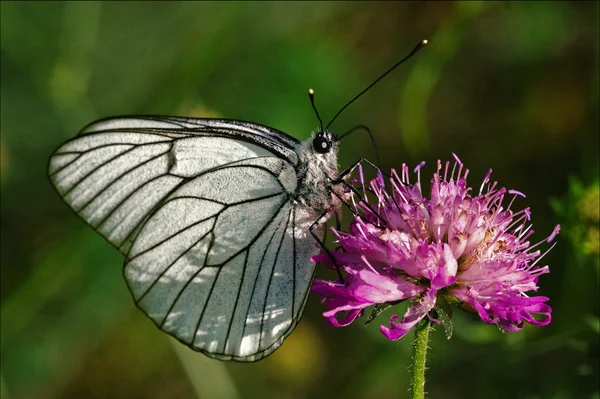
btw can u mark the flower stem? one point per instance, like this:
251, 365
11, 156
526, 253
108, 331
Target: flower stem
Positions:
417, 381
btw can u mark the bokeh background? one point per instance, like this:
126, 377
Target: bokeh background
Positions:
507, 85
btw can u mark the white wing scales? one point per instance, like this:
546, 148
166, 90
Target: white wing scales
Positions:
195, 156
218, 253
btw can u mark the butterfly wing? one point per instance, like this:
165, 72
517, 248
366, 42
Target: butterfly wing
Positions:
217, 250
118, 170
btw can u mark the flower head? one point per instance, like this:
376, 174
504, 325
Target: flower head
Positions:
452, 247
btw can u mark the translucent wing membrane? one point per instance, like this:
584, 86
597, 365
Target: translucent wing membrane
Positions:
218, 252
227, 281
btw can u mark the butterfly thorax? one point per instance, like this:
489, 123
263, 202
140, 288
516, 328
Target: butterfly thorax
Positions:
315, 173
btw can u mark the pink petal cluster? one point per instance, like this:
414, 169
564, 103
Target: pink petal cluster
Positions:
452, 244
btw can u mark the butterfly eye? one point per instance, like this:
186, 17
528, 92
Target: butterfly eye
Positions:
321, 144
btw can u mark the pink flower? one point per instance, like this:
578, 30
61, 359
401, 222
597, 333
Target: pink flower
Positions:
452, 247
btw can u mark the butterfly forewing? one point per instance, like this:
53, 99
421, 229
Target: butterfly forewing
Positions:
218, 251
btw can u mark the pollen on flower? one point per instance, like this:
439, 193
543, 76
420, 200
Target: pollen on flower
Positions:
451, 247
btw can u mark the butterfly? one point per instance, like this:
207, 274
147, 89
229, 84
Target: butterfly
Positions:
213, 217
217, 220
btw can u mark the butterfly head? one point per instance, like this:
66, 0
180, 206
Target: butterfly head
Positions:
323, 141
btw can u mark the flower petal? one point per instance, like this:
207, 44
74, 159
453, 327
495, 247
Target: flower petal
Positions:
414, 314
352, 313
377, 288
446, 270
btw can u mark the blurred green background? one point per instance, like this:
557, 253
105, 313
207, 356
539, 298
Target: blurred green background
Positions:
512, 86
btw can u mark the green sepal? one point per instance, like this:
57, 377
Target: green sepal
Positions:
444, 311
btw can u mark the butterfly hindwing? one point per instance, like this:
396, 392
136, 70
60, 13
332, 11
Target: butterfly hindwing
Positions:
216, 266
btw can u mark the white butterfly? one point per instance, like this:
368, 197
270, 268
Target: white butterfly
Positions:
217, 219
214, 218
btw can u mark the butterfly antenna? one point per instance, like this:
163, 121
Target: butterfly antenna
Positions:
396, 65
370, 133
311, 95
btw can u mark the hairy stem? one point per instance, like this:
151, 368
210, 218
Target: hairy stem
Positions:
420, 341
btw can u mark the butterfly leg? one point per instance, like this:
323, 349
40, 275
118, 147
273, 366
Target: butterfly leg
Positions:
323, 217
350, 169
338, 226
340, 180
321, 220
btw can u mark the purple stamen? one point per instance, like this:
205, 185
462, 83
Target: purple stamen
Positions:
554, 233
419, 166
362, 181
485, 180
544, 254
517, 193
446, 170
